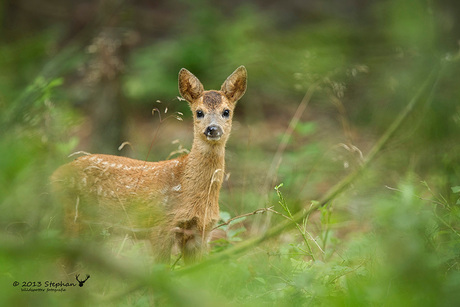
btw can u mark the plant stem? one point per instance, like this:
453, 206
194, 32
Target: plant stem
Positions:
283, 204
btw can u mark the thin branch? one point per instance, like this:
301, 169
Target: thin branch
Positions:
446, 224
273, 169
279, 213
419, 197
262, 210
346, 273
434, 210
78, 153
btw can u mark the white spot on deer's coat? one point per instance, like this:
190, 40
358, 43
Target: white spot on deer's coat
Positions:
83, 181
112, 165
176, 188
91, 167
99, 190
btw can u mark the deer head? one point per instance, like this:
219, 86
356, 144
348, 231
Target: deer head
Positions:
213, 110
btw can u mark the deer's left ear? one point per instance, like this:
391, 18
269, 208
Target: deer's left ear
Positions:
189, 86
235, 85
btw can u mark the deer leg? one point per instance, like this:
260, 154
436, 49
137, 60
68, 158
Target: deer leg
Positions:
191, 241
162, 242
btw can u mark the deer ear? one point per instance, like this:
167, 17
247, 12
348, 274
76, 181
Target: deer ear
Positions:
189, 86
235, 85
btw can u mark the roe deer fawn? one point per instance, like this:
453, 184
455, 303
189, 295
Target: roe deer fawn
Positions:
173, 201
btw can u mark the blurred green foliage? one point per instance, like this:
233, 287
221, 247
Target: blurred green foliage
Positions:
392, 239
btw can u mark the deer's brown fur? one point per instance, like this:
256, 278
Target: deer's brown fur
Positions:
173, 201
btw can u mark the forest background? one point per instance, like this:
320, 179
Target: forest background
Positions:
344, 156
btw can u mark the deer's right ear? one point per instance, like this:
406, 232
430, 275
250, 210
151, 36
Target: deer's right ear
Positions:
190, 87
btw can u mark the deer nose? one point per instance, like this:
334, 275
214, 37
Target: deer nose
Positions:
213, 132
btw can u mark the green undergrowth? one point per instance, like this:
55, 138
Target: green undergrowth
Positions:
407, 255
390, 236
373, 245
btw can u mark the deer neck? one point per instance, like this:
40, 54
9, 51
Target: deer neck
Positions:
203, 176
206, 163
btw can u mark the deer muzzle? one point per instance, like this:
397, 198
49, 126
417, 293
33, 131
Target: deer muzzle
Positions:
213, 132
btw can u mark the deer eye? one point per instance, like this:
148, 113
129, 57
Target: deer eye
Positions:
226, 113
199, 114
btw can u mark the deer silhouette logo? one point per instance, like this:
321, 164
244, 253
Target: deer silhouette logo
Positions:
81, 282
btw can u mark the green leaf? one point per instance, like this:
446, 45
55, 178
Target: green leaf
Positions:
456, 189
55, 83
224, 216
67, 147
305, 128
238, 220
261, 280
